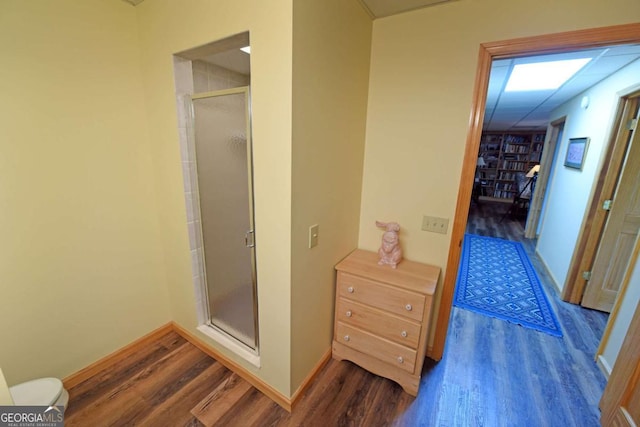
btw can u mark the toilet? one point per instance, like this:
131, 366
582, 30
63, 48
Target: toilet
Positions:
40, 392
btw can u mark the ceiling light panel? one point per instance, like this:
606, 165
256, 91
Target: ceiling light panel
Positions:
548, 75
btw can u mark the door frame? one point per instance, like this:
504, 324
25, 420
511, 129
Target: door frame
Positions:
535, 45
625, 370
606, 335
548, 155
245, 350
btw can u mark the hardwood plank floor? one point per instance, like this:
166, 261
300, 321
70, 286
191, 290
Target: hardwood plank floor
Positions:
493, 373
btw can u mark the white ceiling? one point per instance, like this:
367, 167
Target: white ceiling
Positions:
531, 110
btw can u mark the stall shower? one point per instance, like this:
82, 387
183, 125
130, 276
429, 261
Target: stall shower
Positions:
223, 165
213, 93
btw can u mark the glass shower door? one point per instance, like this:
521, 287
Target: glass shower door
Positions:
223, 161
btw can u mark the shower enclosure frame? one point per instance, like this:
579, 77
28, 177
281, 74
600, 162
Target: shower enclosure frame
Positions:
205, 315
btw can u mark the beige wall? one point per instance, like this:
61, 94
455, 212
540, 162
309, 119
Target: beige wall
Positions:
331, 46
80, 260
167, 27
423, 66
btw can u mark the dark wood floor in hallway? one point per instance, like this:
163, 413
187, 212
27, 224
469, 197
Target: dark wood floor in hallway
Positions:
493, 373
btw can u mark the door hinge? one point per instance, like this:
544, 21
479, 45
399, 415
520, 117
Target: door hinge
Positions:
586, 275
632, 124
607, 205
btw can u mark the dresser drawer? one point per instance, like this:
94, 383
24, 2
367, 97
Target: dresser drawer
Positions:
389, 298
388, 326
394, 354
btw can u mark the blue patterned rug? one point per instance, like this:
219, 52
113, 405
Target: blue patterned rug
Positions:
497, 279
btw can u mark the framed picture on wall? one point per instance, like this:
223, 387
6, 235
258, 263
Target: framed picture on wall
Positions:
576, 152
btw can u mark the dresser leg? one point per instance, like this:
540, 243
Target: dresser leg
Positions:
409, 382
410, 389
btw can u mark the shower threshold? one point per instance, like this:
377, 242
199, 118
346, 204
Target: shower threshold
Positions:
230, 343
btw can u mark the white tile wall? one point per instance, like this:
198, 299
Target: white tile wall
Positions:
184, 82
200, 82
209, 77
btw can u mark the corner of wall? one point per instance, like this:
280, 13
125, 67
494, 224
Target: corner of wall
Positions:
331, 48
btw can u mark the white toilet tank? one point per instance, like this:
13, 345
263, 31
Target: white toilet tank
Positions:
43, 391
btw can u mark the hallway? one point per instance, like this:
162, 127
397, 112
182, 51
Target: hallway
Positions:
497, 373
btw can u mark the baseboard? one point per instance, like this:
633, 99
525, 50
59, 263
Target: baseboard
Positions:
604, 366
552, 279
286, 403
248, 376
310, 377
113, 358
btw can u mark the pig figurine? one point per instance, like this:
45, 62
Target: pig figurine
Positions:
390, 252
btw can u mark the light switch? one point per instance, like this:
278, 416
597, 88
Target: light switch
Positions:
435, 224
313, 236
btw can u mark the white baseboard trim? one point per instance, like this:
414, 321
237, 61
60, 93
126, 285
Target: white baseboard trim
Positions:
554, 281
603, 365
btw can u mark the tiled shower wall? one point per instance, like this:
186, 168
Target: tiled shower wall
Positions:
209, 77
196, 77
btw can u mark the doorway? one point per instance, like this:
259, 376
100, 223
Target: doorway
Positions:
214, 123
562, 42
535, 218
603, 249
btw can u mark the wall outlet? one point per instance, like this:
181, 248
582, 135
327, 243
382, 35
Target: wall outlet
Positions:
435, 224
313, 236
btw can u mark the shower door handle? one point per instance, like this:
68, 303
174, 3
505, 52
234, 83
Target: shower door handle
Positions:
249, 239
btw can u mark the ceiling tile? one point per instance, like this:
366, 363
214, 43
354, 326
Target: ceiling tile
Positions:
533, 108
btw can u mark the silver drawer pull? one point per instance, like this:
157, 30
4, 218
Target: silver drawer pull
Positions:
347, 337
408, 307
350, 289
348, 313
404, 334
400, 359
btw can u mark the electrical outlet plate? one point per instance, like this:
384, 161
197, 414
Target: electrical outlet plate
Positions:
435, 224
313, 236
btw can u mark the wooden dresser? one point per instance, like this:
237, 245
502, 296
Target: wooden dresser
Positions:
382, 316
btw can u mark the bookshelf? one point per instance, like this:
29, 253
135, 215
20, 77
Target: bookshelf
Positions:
505, 154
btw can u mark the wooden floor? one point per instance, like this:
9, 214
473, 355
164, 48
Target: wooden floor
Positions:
493, 373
